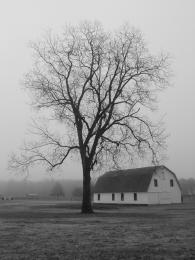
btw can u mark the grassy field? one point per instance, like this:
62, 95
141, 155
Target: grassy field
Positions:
56, 230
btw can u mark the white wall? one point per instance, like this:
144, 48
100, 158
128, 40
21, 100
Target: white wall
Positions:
142, 198
164, 193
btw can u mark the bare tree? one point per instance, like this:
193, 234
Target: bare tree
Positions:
100, 85
57, 191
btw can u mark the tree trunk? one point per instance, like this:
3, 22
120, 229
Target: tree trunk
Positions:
86, 203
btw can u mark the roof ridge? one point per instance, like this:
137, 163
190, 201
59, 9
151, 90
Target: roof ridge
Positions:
132, 169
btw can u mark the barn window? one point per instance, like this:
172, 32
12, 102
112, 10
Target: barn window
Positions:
113, 196
155, 183
135, 196
171, 183
98, 196
122, 196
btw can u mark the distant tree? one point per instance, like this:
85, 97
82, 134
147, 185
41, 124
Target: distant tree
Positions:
77, 192
57, 191
100, 85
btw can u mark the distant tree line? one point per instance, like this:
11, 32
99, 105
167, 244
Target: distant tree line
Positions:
43, 188
188, 186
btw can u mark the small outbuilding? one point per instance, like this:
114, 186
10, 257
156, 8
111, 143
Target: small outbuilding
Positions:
148, 185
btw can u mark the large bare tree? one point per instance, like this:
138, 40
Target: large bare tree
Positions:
100, 85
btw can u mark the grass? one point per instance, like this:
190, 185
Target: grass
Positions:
56, 230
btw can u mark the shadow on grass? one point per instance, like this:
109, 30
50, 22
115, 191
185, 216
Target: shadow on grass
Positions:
30, 215
77, 205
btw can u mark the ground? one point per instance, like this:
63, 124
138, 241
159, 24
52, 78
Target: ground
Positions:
56, 230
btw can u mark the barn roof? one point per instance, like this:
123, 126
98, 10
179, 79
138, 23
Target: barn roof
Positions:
131, 180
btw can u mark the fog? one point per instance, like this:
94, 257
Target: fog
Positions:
166, 26
38, 189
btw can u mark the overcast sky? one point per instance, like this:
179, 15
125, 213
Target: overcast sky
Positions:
167, 25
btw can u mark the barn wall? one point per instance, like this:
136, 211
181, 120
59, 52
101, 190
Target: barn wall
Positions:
159, 198
164, 193
142, 198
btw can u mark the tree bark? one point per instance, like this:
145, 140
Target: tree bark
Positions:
86, 203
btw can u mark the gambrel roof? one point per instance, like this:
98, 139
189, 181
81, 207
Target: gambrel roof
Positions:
131, 180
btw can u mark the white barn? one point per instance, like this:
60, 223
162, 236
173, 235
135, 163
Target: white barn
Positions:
148, 185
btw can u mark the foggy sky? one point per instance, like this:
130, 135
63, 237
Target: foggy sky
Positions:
166, 25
